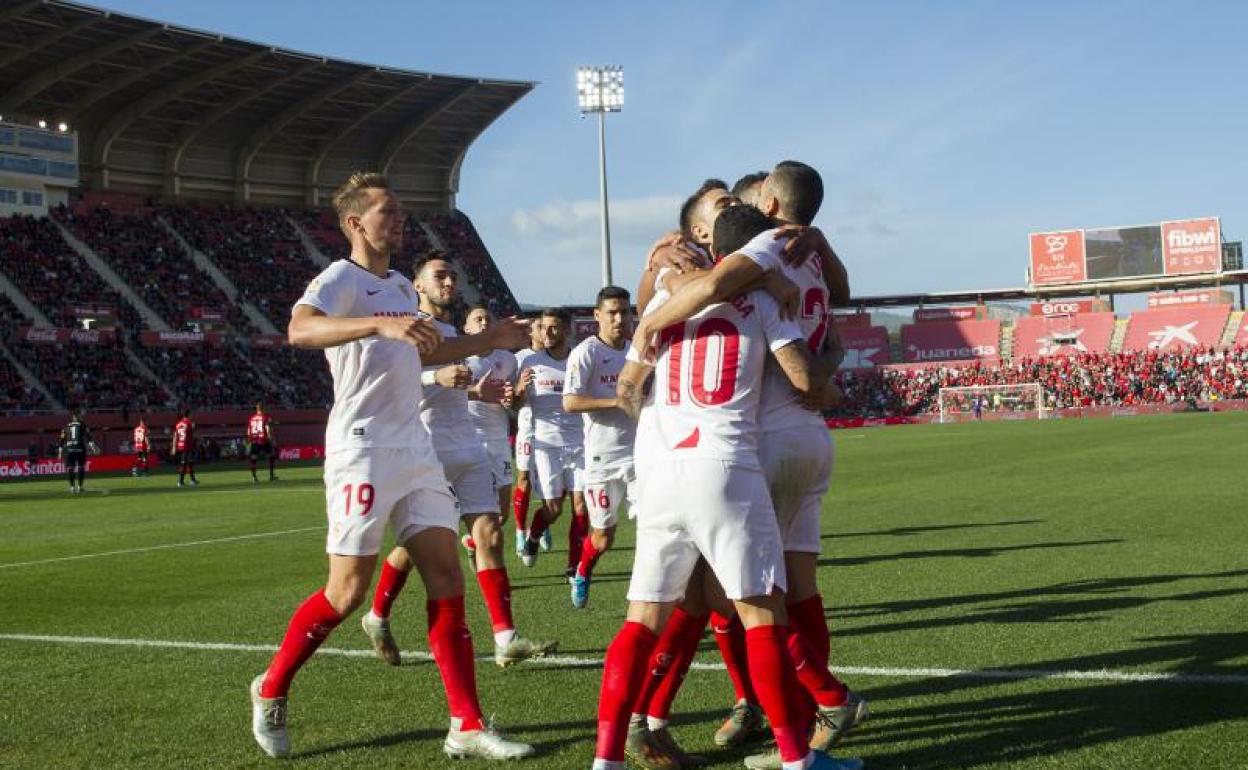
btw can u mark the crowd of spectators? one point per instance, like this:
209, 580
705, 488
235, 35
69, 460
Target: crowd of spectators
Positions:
206, 376
52, 276
90, 376
1090, 379
465, 245
152, 262
301, 376
256, 247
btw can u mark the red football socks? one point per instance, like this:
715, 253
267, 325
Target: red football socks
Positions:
538, 526
622, 673
451, 644
730, 636
496, 589
578, 528
806, 616
589, 558
778, 691
520, 508
389, 585
672, 658
309, 626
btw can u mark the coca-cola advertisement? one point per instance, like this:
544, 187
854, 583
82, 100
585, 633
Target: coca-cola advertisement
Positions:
51, 336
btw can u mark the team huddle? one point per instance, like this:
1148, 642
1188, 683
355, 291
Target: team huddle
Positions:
703, 423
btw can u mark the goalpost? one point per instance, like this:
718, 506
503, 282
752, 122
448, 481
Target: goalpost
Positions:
1024, 401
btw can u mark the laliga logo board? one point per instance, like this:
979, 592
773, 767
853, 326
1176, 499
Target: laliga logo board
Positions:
1058, 257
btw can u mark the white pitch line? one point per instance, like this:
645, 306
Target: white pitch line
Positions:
158, 547
1101, 675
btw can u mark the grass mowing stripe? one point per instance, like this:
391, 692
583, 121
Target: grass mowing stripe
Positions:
166, 546
1102, 675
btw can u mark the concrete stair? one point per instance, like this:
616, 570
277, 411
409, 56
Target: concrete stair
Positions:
1232, 328
1119, 336
114, 281
29, 377
27, 308
221, 280
309, 245
1007, 341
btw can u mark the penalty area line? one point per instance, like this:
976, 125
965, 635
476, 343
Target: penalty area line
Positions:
1099, 675
233, 538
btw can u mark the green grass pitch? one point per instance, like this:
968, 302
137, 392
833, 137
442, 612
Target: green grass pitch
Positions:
1086, 546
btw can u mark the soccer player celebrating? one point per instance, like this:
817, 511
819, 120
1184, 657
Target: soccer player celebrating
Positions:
183, 449
142, 445
380, 469
557, 449
795, 446
524, 446
702, 493
593, 368
75, 440
491, 420
260, 441
444, 413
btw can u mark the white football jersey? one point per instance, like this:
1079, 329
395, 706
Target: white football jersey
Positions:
780, 408
708, 379
444, 411
376, 381
593, 369
552, 426
524, 417
489, 420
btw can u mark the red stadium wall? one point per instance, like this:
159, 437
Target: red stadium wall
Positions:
951, 340
865, 346
1036, 336
1174, 328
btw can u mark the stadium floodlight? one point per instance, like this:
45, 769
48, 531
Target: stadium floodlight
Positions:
62, 126
601, 90
43, 123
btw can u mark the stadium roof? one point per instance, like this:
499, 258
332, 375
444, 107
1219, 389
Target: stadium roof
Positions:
161, 109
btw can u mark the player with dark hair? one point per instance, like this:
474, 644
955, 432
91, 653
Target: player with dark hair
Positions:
183, 447
75, 441
746, 188
558, 453
524, 447
593, 367
260, 442
142, 444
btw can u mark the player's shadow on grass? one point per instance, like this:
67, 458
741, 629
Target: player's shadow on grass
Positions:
910, 531
1075, 601
961, 725
376, 742
963, 553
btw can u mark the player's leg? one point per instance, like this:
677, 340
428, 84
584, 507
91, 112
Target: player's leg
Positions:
427, 523
70, 475
253, 452
376, 622
745, 721
602, 501
82, 470
548, 483
180, 458
523, 489
271, 451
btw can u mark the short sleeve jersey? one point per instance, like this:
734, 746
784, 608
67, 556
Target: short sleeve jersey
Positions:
524, 417
140, 438
593, 369
552, 426
708, 378
780, 408
376, 380
258, 428
489, 420
183, 435
444, 411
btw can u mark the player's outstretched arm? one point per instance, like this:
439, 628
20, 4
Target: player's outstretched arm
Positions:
733, 275
802, 241
508, 334
629, 388
310, 327
794, 361
575, 402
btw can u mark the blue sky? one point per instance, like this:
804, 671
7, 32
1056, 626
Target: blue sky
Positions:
945, 131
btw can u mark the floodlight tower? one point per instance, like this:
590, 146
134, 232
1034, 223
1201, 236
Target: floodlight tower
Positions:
601, 90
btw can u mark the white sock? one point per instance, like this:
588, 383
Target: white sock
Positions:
606, 764
801, 764
654, 723
503, 638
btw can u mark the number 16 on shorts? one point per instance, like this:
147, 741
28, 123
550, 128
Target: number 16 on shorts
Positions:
603, 499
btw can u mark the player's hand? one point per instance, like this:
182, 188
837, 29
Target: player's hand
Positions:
787, 294
525, 380
510, 333
456, 376
643, 341
803, 242
421, 333
675, 251
494, 391
826, 396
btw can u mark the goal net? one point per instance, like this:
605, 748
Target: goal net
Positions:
1024, 401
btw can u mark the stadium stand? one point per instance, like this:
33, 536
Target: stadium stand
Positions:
256, 247
16, 395
152, 262
54, 278
301, 376
90, 376
1176, 327
205, 375
1062, 334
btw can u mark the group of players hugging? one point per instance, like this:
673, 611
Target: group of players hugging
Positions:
703, 415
